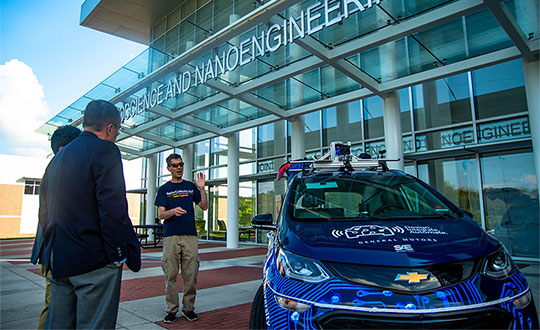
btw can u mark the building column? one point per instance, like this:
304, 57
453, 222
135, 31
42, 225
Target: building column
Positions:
392, 130
298, 135
187, 158
531, 72
233, 190
151, 183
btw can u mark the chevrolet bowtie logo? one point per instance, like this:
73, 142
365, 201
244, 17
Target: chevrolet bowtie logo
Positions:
413, 277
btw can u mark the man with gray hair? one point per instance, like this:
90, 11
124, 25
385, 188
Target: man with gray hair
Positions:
86, 227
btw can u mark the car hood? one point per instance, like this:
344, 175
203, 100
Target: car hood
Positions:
403, 243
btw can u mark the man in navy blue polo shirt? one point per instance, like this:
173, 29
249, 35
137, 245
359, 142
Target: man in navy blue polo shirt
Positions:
175, 201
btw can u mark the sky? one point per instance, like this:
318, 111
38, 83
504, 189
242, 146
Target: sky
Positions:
47, 62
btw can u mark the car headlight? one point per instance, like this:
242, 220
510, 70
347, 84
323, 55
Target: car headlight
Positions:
300, 268
498, 265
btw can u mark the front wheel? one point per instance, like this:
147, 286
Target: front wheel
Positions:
257, 319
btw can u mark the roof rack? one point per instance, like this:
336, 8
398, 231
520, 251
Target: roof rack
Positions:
338, 159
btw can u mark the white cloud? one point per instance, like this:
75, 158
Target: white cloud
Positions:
22, 110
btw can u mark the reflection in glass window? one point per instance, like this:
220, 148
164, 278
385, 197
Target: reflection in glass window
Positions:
442, 103
218, 173
374, 149
408, 144
330, 132
266, 203
504, 130
271, 139
218, 151
499, 90
511, 200
247, 168
448, 138
201, 219
312, 128
373, 117
342, 123
247, 145
217, 213
202, 154
246, 211
405, 110
457, 179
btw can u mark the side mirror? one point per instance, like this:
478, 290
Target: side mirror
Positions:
263, 221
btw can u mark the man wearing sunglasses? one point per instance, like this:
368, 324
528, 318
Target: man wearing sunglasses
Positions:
175, 201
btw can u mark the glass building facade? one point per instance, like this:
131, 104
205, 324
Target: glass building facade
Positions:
215, 68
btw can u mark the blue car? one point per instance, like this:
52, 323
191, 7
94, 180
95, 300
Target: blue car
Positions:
358, 246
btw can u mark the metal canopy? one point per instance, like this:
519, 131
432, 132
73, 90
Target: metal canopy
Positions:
330, 67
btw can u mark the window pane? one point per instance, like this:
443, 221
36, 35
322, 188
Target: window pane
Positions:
342, 123
504, 130
29, 189
201, 154
405, 110
373, 117
455, 178
271, 140
445, 139
312, 127
218, 151
499, 90
217, 213
511, 201
247, 144
246, 208
442, 103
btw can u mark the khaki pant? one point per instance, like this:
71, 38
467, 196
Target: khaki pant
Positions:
180, 251
43, 314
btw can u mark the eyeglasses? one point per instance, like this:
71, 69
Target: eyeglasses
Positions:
173, 165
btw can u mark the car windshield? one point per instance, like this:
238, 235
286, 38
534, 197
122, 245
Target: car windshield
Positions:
365, 197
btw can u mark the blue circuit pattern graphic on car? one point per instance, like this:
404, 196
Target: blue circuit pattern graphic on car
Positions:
357, 245
336, 294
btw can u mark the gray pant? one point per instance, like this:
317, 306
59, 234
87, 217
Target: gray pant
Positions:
86, 301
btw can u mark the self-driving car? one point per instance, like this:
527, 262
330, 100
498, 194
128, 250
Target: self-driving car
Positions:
357, 245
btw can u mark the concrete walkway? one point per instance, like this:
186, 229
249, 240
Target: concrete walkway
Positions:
227, 282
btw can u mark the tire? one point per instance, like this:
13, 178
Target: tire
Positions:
257, 319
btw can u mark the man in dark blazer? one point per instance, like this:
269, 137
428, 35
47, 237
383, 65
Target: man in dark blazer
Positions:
60, 138
86, 226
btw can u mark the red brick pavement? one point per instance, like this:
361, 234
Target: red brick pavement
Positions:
153, 286
235, 317
6, 252
18, 245
15, 241
207, 256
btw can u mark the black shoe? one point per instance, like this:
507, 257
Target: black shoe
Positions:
169, 318
190, 316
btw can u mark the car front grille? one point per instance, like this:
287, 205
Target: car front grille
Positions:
481, 319
439, 276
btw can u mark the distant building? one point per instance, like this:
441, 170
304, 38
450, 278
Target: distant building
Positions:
20, 180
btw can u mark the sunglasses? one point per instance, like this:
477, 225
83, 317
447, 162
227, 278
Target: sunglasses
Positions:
173, 165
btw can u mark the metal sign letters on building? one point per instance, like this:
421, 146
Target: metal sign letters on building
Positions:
269, 41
